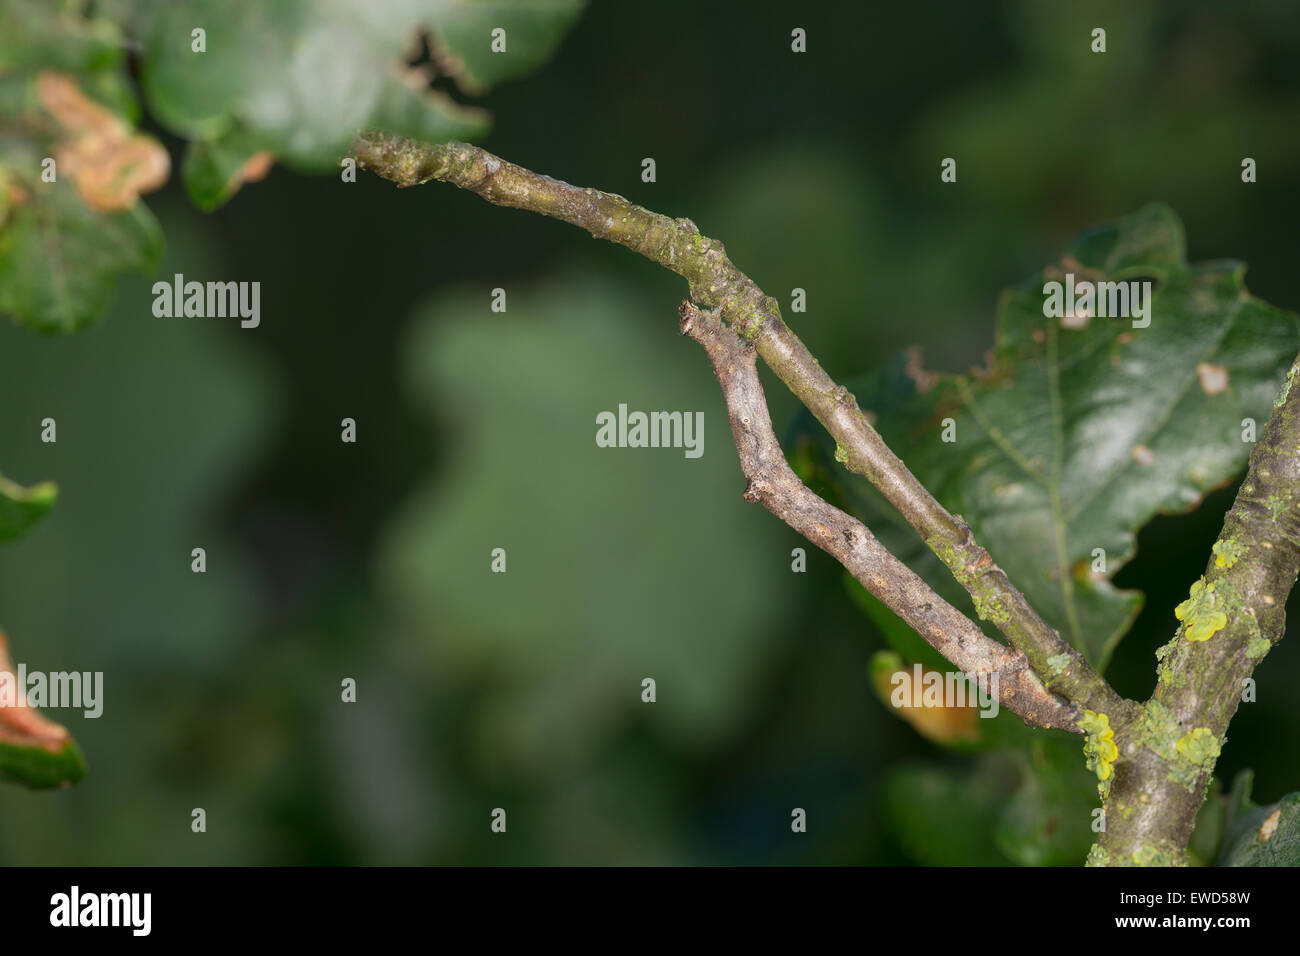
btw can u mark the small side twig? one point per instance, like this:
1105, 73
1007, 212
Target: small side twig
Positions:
773, 484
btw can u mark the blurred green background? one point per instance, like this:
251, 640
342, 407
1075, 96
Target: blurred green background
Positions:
476, 430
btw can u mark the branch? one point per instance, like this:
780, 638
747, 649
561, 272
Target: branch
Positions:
1234, 616
714, 281
772, 483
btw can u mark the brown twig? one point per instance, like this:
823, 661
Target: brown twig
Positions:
714, 281
772, 483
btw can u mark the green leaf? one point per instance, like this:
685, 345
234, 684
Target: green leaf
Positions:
59, 259
1211, 819
1031, 807
213, 168
1078, 433
298, 78
42, 769
36, 34
1266, 836
20, 507
464, 33
1047, 821
945, 817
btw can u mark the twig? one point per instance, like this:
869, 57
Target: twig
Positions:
714, 281
772, 483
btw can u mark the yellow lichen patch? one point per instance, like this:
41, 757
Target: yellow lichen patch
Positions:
1200, 613
1099, 748
1227, 552
1199, 745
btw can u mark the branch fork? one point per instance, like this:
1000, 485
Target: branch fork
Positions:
1040, 676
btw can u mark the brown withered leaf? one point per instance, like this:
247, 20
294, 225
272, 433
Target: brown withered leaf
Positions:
110, 165
21, 725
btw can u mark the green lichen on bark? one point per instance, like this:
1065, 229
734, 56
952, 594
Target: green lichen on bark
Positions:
1097, 856
1277, 504
1150, 855
1286, 387
1258, 646
1156, 729
992, 610
1197, 751
1057, 663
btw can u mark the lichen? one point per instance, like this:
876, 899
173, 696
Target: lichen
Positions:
1199, 745
1197, 751
1148, 855
841, 454
952, 559
1057, 663
1170, 675
1099, 749
1258, 646
1201, 613
1227, 552
1097, 856
1156, 728
993, 610
1286, 388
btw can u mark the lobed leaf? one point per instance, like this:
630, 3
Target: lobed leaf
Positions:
65, 96
1081, 428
